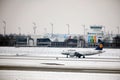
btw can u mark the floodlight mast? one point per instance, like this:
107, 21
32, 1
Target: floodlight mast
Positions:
34, 27
84, 30
118, 29
51, 29
19, 28
4, 27
68, 28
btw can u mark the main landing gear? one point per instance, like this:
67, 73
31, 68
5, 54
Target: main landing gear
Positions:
78, 55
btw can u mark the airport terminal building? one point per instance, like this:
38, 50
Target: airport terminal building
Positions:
93, 36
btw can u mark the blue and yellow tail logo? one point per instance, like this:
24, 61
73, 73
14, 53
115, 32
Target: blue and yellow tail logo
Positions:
99, 47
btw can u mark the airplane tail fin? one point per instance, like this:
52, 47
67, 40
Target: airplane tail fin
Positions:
100, 46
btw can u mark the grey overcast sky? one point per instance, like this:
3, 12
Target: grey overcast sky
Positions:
22, 13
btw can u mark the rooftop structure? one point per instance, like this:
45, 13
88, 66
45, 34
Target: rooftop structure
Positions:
95, 34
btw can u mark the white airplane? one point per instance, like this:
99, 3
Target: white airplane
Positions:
72, 53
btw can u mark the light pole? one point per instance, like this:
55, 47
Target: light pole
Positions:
68, 28
34, 27
84, 34
52, 29
19, 28
118, 29
103, 30
4, 27
84, 30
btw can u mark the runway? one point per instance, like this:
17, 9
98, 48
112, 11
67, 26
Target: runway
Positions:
61, 64
29, 67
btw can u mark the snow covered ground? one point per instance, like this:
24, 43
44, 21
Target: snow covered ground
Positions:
45, 56
37, 68
41, 75
54, 52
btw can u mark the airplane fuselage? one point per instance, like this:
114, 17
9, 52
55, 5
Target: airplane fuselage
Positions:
78, 54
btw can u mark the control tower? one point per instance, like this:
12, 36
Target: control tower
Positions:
95, 34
